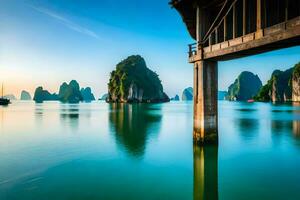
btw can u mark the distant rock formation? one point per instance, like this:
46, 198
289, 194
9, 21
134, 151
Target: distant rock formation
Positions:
222, 95
10, 96
87, 94
103, 97
245, 87
25, 96
187, 94
132, 81
175, 98
41, 95
70, 93
283, 86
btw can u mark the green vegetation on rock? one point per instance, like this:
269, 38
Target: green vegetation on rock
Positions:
132, 81
70, 93
245, 87
278, 88
295, 81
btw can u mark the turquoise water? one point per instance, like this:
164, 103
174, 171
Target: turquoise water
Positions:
101, 151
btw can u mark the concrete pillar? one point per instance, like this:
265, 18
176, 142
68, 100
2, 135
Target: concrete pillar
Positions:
205, 102
206, 173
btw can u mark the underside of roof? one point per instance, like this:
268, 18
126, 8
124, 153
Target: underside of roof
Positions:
187, 10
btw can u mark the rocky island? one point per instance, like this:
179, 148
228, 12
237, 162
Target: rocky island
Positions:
41, 95
103, 97
133, 81
175, 98
25, 96
187, 94
245, 87
283, 86
87, 94
68, 93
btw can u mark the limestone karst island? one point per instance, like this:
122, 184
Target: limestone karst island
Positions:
150, 100
132, 81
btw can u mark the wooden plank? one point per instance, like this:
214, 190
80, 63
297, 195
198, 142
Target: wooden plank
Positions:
225, 28
234, 21
258, 15
276, 35
244, 17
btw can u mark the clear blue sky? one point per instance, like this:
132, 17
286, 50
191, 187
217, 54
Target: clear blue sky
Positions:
47, 42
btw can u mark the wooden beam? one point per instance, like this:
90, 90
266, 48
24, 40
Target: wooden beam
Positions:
234, 21
286, 5
244, 17
225, 28
217, 36
198, 25
273, 36
258, 15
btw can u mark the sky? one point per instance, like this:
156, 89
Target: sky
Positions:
45, 43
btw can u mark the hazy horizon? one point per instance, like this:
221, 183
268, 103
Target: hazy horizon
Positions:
46, 43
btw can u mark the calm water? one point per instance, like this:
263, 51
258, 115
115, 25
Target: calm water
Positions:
101, 151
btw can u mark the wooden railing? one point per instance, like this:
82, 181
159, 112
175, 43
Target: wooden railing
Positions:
243, 17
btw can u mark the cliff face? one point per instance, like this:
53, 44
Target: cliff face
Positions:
281, 89
25, 95
283, 86
132, 81
296, 83
187, 94
244, 87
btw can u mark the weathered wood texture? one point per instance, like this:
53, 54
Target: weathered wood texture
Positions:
282, 35
205, 102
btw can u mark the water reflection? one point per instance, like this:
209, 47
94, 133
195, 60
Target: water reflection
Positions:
69, 114
132, 124
205, 173
296, 128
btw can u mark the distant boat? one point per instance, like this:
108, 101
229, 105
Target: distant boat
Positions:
250, 101
4, 101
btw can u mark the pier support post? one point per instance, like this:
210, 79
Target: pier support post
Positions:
205, 102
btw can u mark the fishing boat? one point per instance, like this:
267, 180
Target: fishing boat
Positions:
4, 101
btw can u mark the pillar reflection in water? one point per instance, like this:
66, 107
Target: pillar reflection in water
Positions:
205, 172
296, 123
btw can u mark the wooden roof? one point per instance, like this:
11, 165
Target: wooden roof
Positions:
187, 10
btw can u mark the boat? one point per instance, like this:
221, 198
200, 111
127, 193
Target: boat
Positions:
4, 101
250, 101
